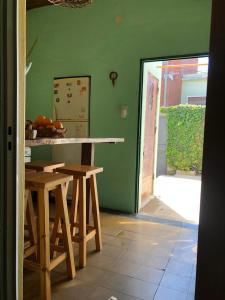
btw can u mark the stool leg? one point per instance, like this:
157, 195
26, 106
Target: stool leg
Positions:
82, 223
43, 212
74, 206
31, 226
88, 201
55, 231
61, 193
95, 211
57, 225
31, 222
26, 195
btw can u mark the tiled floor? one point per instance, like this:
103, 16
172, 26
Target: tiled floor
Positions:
140, 260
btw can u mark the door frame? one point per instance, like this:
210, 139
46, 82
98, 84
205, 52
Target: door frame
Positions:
143, 142
12, 103
140, 114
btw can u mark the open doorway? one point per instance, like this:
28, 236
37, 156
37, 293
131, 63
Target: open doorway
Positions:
172, 122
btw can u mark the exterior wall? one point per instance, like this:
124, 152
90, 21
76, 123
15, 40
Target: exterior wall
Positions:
172, 86
110, 36
193, 88
173, 91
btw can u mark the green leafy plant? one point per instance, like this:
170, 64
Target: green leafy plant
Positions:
185, 136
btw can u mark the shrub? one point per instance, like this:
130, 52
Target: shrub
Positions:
185, 136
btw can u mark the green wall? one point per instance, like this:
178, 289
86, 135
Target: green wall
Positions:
89, 41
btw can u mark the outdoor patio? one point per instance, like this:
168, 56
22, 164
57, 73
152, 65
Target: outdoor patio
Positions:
175, 198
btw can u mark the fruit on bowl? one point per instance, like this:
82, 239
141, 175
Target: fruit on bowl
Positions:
48, 122
58, 125
45, 127
40, 120
30, 132
28, 125
51, 126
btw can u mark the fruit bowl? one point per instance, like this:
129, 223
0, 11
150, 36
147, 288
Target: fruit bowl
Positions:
30, 134
44, 127
51, 132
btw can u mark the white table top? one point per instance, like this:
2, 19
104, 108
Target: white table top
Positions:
61, 141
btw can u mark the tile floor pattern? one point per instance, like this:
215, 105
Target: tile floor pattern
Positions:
139, 260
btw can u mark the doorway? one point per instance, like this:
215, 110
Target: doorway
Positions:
173, 104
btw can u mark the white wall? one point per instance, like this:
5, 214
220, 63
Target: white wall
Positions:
193, 88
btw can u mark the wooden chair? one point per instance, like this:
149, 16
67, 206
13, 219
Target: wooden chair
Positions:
85, 231
42, 183
44, 166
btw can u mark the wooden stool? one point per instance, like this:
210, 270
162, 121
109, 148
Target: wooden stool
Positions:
42, 183
85, 231
44, 166
30, 245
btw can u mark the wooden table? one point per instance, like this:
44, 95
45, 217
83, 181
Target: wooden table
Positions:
87, 152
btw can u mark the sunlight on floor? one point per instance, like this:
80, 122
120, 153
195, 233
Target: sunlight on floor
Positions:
134, 222
181, 194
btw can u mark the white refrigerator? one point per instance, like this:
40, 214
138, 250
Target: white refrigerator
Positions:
71, 104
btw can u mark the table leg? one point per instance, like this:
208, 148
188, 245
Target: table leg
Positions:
87, 158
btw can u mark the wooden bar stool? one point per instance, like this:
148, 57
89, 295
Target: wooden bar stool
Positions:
85, 231
30, 244
42, 183
44, 166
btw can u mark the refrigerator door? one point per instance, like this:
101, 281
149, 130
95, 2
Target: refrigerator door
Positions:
76, 129
71, 98
71, 153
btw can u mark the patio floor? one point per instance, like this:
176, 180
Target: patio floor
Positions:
176, 198
139, 260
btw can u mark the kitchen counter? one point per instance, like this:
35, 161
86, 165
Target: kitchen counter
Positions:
61, 141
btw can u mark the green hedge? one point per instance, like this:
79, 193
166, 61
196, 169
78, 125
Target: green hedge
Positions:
185, 136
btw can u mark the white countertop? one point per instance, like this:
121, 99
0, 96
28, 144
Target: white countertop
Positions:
59, 141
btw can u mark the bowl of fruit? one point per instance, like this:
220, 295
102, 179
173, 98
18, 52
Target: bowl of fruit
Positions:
30, 132
44, 127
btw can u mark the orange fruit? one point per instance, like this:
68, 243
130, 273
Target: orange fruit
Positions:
47, 122
40, 120
34, 125
58, 125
